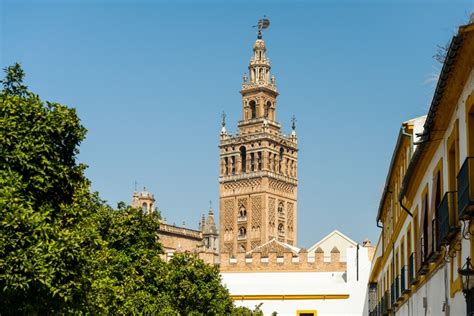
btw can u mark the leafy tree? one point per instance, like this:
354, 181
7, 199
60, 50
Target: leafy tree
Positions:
46, 236
128, 275
13, 82
245, 311
62, 249
196, 288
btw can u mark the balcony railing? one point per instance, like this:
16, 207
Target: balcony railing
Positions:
423, 269
448, 225
241, 237
465, 194
242, 219
411, 269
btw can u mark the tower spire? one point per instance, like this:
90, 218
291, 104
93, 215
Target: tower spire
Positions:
259, 90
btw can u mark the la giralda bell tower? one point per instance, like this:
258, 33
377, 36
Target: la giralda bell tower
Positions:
258, 166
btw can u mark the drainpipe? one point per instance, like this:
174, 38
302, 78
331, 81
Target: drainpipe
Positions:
357, 262
400, 200
383, 244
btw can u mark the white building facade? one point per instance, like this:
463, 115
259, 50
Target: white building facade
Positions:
426, 209
290, 282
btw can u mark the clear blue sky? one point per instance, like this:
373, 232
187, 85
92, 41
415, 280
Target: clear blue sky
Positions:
150, 80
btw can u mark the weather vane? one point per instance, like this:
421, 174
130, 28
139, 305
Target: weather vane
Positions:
223, 118
293, 123
262, 24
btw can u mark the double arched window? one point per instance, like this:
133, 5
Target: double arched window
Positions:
280, 209
242, 212
253, 109
281, 228
243, 158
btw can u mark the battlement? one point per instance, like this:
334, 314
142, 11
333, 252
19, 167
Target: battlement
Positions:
286, 261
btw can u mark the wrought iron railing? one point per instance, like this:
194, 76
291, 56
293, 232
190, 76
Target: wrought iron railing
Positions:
448, 224
242, 219
465, 198
424, 256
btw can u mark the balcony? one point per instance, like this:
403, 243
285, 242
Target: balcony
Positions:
448, 226
241, 237
423, 269
241, 219
465, 191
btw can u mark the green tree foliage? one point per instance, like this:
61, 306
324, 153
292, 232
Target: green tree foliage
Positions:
245, 311
62, 249
45, 234
195, 287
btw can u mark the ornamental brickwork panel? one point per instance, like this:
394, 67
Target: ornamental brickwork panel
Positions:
228, 220
271, 215
256, 220
290, 216
228, 247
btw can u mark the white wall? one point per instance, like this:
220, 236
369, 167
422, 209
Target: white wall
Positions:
315, 283
335, 239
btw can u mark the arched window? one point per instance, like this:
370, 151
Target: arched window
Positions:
144, 207
252, 162
242, 232
233, 164
281, 159
281, 229
226, 165
259, 167
242, 212
267, 109
280, 209
243, 158
253, 109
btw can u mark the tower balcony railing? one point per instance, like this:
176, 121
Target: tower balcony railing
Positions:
258, 174
465, 189
241, 237
448, 225
242, 219
259, 136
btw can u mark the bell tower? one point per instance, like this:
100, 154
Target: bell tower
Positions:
258, 166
